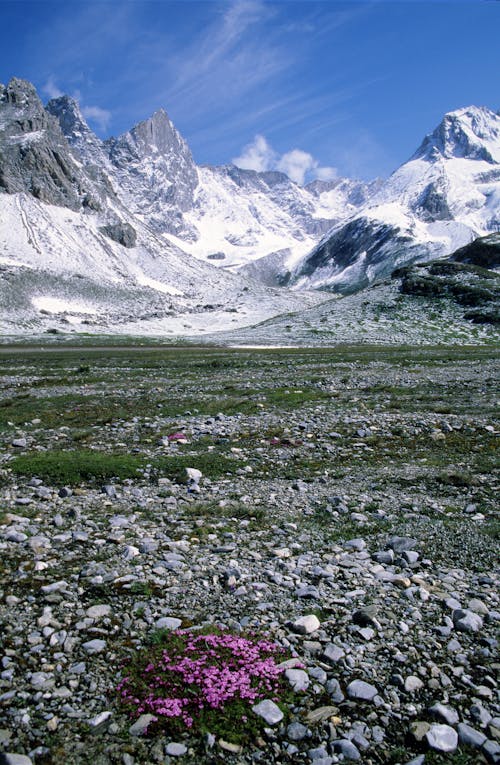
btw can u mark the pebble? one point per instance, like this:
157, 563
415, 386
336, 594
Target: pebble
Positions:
442, 738
269, 711
94, 646
174, 749
361, 691
140, 727
470, 736
304, 625
298, 679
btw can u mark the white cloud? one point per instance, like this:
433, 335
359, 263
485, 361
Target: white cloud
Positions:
51, 89
257, 155
95, 114
297, 164
325, 173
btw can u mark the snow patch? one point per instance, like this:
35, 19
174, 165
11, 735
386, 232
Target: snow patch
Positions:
58, 305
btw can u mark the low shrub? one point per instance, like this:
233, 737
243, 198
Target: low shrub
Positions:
206, 681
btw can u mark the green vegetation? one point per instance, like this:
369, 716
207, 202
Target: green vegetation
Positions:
70, 468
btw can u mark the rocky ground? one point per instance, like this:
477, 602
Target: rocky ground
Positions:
346, 509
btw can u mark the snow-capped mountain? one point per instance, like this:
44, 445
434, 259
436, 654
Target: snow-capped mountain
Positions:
73, 255
445, 196
130, 235
224, 215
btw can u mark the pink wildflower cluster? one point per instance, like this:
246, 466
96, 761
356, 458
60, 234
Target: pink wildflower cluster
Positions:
202, 672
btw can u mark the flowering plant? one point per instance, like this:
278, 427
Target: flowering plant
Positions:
198, 679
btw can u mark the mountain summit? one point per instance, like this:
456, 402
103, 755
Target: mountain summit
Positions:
470, 133
445, 196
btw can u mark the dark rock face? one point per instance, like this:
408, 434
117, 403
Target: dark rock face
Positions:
122, 232
360, 244
468, 285
484, 252
34, 155
433, 203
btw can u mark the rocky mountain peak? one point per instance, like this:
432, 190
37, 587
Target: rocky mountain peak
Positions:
469, 133
76, 130
35, 157
71, 120
20, 93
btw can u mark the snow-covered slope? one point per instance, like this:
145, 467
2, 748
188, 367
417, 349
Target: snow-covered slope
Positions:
445, 196
74, 256
224, 215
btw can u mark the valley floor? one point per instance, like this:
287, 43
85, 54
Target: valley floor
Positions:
355, 484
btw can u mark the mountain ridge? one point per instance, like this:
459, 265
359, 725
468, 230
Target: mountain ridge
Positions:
207, 242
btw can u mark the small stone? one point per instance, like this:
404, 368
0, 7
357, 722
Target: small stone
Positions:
94, 646
175, 750
19, 443
447, 714
332, 653
335, 691
8, 758
492, 751
140, 727
320, 714
442, 738
346, 748
413, 683
296, 731
194, 475
400, 544
100, 719
361, 691
466, 621
269, 711
298, 679
130, 552
470, 736
419, 730
168, 623
99, 611
304, 625
227, 746
401, 581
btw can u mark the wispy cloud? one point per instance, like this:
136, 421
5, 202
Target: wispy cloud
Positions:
299, 165
50, 88
97, 115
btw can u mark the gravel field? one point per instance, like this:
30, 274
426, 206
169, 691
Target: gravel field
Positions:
340, 502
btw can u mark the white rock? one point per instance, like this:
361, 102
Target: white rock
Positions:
99, 719
99, 611
413, 683
130, 552
298, 679
173, 749
194, 475
443, 738
139, 728
304, 625
269, 711
168, 623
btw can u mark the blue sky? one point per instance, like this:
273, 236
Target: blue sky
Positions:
313, 88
